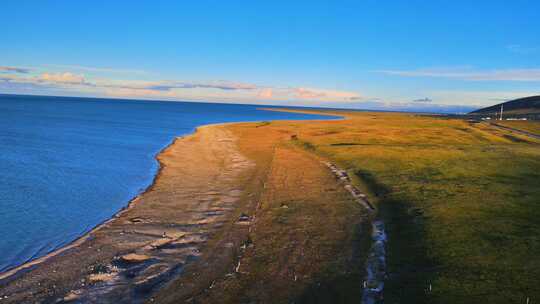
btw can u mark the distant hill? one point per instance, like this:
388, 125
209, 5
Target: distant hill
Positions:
522, 107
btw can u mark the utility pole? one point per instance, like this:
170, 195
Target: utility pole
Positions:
501, 112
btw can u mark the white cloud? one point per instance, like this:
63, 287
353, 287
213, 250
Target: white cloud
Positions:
172, 85
328, 95
63, 78
8, 69
426, 99
479, 98
95, 69
266, 93
532, 75
523, 50
175, 89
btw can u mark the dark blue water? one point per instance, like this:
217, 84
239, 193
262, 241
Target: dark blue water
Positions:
68, 164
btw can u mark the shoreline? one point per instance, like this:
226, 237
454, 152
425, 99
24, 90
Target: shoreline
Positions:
79, 240
131, 203
214, 204
82, 238
195, 190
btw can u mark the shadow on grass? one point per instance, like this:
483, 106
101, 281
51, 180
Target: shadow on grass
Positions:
376, 188
343, 289
409, 268
341, 283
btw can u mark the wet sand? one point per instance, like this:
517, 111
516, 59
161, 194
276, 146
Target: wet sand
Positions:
126, 259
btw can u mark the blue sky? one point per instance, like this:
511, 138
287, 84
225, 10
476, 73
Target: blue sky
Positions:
386, 54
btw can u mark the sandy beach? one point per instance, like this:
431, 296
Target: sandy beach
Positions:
195, 193
193, 229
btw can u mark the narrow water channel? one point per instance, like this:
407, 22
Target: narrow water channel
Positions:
375, 266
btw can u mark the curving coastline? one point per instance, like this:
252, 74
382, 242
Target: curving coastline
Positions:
194, 219
178, 221
99, 155
78, 241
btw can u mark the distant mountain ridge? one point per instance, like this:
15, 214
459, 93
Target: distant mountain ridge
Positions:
526, 106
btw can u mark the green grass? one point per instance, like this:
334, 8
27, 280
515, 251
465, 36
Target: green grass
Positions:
461, 203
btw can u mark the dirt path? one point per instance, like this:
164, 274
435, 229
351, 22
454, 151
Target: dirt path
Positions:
308, 236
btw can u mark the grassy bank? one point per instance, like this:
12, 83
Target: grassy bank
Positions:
531, 126
461, 202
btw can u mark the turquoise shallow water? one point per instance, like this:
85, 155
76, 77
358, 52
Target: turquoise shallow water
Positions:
68, 164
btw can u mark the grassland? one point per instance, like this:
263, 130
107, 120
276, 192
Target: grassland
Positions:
461, 202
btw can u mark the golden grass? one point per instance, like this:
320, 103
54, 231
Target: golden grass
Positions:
305, 244
461, 202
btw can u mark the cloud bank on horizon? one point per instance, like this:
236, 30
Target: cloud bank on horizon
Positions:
404, 55
33, 79
23, 80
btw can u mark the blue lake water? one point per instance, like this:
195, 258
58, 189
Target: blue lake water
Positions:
68, 164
